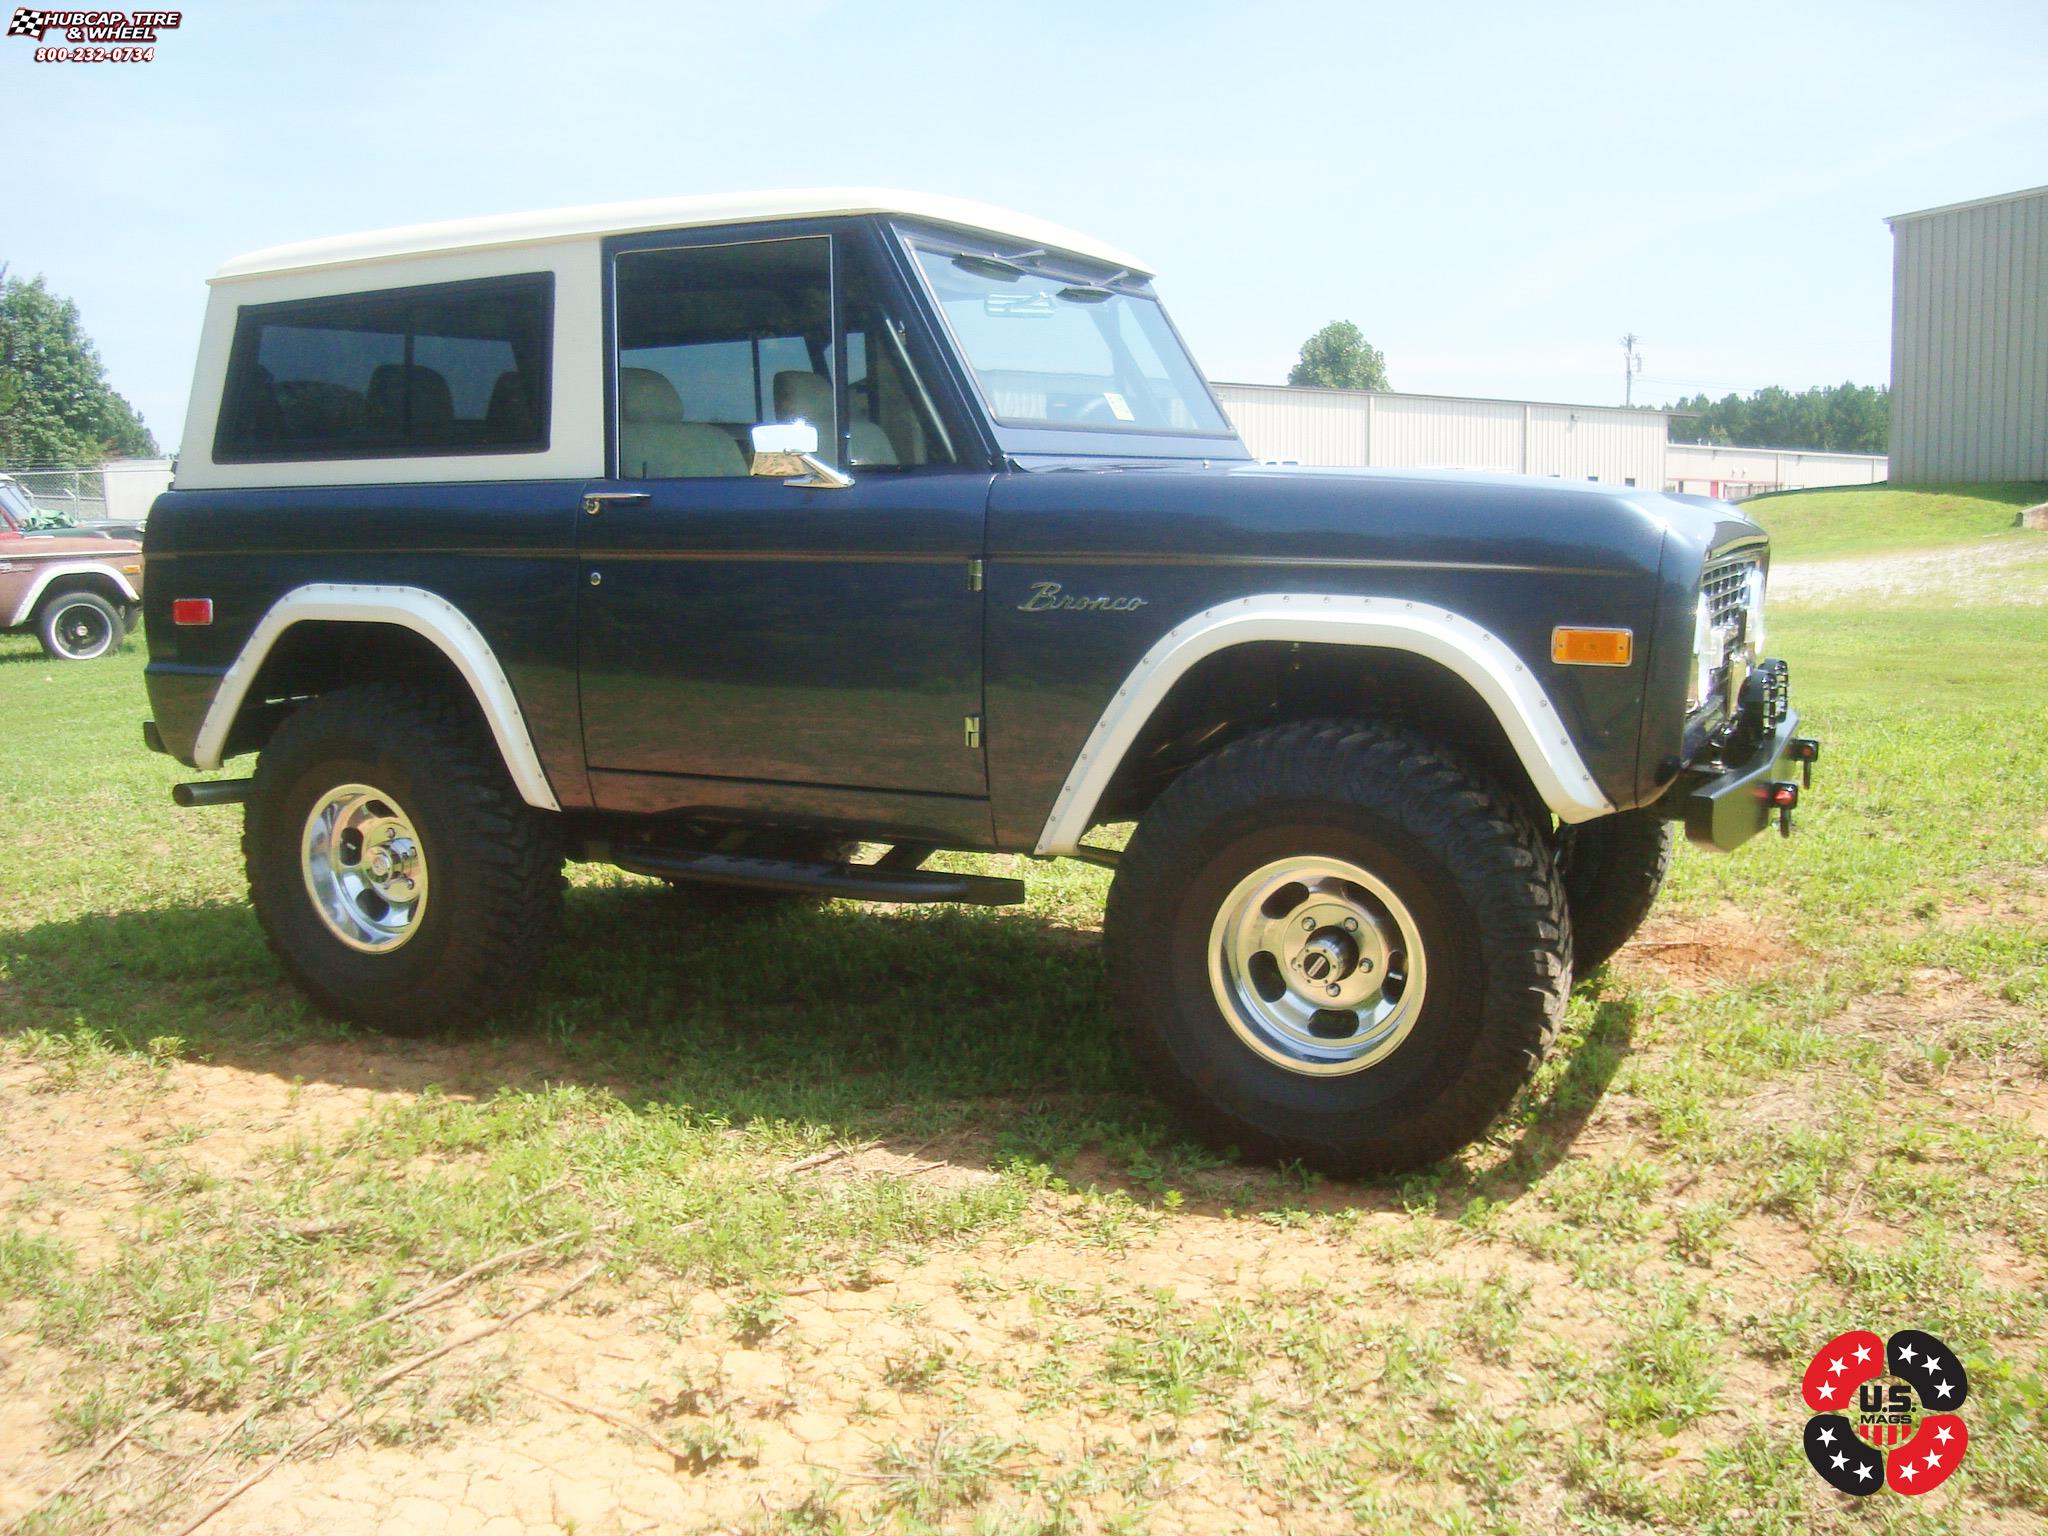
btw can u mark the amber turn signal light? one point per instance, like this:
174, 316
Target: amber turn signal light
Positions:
1592, 647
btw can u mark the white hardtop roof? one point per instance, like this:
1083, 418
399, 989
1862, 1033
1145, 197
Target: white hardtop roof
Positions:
598, 219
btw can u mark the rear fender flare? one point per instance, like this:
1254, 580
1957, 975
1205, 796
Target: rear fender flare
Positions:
425, 614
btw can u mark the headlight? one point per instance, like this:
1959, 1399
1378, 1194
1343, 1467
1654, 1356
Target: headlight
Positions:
1703, 663
1753, 615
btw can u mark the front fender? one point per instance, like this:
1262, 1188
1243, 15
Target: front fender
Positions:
1503, 682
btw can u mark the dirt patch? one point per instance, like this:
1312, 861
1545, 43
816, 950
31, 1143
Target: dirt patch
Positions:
2006, 572
1704, 954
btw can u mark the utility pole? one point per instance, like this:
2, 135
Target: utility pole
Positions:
1631, 365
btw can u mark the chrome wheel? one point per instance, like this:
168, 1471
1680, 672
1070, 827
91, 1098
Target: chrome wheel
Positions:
82, 631
365, 868
1317, 965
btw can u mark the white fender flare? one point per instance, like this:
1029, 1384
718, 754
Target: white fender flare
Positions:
1500, 678
51, 572
434, 618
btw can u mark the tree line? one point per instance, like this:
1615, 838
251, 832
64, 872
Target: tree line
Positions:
1836, 418
55, 403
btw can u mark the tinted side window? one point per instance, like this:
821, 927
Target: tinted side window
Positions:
452, 368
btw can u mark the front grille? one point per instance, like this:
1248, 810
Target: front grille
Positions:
1727, 592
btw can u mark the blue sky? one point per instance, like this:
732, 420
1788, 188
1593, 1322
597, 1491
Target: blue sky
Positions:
1493, 192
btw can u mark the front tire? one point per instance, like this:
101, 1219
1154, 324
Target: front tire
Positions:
79, 626
1612, 870
1341, 943
398, 876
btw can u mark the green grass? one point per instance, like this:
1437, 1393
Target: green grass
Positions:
1593, 1323
1864, 519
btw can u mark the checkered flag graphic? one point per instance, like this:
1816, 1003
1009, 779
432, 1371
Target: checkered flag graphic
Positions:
28, 23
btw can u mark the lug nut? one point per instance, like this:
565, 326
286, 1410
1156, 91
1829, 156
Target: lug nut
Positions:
1308, 924
1335, 989
1364, 965
1351, 925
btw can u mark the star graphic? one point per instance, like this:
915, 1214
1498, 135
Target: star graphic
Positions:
1907, 1471
1944, 1434
1837, 1367
1905, 1351
1933, 1461
1932, 1362
1864, 1471
1827, 1437
1839, 1460
1943, 1388
1862, 1353
1825, 1389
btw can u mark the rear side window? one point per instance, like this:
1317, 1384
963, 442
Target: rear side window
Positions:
451, 368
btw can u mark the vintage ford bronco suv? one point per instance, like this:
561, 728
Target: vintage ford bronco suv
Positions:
715, 537
76, 590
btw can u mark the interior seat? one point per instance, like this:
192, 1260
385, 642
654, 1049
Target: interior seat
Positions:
802, 393
655, 443
393, 385
509, 418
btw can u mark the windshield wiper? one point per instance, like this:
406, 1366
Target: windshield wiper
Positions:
990, 266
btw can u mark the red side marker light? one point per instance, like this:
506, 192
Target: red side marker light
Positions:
1786, 795
192, 610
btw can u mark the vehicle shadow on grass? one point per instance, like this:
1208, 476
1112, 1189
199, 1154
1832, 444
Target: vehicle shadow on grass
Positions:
969, 1038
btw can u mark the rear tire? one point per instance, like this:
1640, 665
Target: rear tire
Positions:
1612, 870
1394, 851
79, 626
398, 876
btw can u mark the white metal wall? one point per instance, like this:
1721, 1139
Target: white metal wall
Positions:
1394, 431
1970, 341
1733, 473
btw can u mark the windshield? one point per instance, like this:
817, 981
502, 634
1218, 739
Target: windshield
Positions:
16, 505
1051, 351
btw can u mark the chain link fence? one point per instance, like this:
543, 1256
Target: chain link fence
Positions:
116, 493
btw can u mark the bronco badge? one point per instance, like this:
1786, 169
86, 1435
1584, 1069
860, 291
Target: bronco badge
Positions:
1047, 595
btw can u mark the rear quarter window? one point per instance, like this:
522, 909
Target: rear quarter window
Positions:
399, 372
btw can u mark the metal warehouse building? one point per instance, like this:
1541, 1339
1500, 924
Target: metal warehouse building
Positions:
1970, 341
1355, 427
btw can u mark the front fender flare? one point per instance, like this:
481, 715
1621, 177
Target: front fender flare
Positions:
1502, 680
435, 619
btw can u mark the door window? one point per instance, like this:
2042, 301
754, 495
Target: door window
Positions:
714, 340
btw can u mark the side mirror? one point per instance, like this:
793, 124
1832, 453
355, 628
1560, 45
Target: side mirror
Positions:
788, 451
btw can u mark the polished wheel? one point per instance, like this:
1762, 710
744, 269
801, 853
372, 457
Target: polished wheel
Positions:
365, 868
82, 627
1317, 965
1337, 942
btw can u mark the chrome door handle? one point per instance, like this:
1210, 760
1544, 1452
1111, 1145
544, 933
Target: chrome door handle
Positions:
594, 501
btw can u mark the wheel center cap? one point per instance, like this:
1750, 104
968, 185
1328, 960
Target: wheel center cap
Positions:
1330, 955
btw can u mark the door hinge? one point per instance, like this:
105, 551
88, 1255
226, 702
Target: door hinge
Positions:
974, 575
974, 730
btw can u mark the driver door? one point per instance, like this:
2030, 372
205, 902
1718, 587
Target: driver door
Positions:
789, 643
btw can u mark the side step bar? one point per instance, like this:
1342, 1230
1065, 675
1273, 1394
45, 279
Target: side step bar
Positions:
860, 882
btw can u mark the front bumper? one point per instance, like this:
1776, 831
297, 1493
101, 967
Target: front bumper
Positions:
1757, 777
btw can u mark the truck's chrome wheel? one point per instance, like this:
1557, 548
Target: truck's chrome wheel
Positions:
83, 630
1317, 965
365, 869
